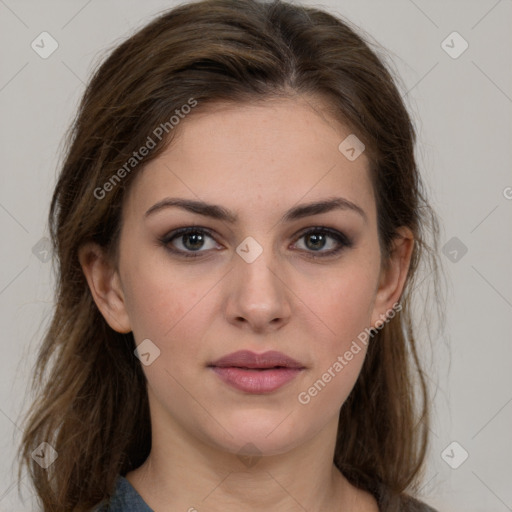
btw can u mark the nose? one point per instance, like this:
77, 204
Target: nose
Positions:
258, 298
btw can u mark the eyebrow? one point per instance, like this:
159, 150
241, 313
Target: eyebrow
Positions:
221, 213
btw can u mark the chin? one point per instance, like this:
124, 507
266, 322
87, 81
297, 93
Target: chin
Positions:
258, 436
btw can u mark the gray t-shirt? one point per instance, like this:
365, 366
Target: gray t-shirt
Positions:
127, 499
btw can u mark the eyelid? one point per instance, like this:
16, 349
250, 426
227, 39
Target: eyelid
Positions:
335, 233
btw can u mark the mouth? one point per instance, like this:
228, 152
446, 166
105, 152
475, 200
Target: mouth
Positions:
256, 373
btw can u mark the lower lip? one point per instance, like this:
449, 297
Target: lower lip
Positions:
256, 381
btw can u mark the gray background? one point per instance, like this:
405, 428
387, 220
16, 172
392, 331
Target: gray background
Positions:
462, 109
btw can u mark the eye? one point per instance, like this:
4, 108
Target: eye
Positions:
190, 239
317, 238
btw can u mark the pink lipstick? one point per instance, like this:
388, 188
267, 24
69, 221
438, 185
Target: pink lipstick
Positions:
257, 373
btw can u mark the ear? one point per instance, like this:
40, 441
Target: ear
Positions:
105, 286
393, 274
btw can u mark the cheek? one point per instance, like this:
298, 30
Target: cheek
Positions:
160, 302
343, 304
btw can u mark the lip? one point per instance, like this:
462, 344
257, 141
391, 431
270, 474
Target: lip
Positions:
248, 359
256, 373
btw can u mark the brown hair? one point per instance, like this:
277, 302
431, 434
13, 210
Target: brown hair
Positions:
91, 403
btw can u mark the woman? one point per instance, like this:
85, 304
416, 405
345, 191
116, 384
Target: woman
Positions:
238, 222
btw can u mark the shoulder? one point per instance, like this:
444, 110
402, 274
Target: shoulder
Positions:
124, 499
389, 501
414, 505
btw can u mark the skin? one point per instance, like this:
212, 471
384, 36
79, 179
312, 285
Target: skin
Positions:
257, 160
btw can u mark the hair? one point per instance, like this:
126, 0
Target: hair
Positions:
91, 404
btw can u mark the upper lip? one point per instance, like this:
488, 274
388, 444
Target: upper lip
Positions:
248, 359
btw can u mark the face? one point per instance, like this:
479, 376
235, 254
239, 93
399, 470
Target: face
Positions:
305, 285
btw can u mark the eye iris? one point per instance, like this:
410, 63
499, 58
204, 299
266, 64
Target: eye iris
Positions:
197, 242
318, 238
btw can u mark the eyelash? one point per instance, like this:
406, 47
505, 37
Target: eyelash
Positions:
341, 238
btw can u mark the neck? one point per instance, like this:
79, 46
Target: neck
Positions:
183, 474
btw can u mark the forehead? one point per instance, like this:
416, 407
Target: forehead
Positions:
275, 153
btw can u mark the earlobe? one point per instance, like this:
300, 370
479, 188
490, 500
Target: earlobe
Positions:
105, 286
393, 275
